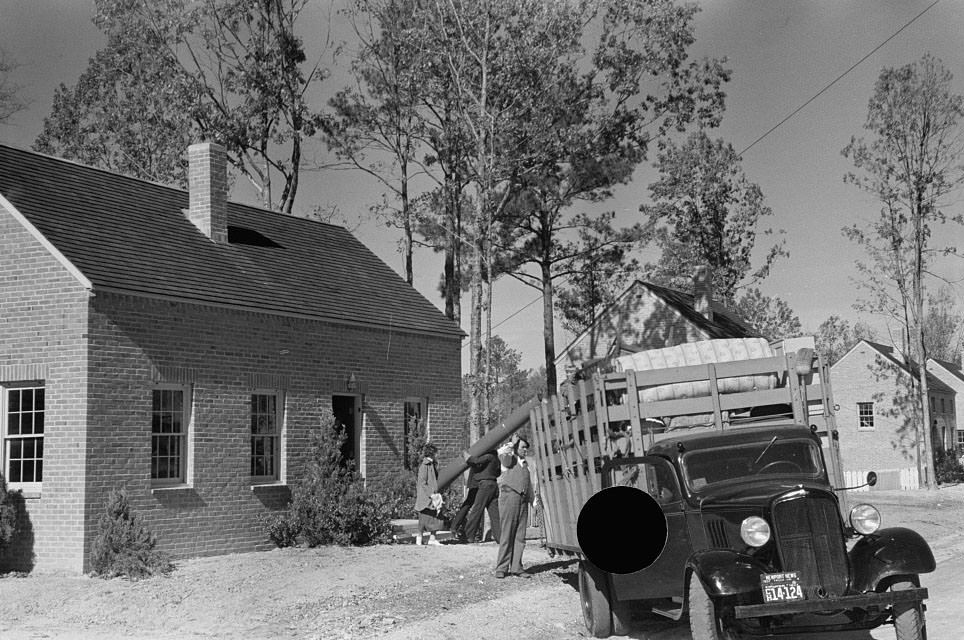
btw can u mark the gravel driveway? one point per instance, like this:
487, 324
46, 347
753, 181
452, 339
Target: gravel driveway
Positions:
399, 591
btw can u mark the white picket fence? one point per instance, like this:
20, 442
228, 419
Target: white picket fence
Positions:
904, 479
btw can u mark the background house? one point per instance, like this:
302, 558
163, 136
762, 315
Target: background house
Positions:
950, 374
183, 347
649, 316
874, 415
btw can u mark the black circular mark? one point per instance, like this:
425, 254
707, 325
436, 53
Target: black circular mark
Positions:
621, 529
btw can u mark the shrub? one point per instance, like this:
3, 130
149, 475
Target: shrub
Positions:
124, 546
398, 491
948, 467
329, 503
8, 514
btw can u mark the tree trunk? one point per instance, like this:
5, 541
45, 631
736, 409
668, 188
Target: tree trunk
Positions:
548, 330
406, 223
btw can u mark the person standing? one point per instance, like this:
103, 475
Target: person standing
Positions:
428, 500
518, 489
460, 522
486, 467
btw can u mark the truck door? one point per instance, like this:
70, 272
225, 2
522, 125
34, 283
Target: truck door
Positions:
664, 578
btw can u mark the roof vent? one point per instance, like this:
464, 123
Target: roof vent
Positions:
208, 188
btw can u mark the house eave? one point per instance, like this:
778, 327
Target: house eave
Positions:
454, 335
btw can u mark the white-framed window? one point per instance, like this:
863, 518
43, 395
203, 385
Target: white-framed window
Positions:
865, 415
267, 419
22, 427
170, 425
960, 440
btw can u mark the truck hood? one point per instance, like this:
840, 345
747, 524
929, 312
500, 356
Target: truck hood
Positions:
756, 494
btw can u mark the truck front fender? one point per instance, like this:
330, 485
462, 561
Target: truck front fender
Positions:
889, 552
727, 573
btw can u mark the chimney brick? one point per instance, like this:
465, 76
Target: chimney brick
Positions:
703, 291
208, 188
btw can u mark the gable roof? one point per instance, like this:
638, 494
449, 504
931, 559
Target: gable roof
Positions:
888, 353
725, 323
951, 368
132, 236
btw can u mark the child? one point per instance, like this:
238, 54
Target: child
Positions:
428, 500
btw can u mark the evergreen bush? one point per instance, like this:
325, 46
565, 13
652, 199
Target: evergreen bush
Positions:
124, 546
948, 467
8, 514
329, 502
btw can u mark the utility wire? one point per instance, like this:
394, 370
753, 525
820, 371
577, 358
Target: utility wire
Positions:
838, 78
773, 128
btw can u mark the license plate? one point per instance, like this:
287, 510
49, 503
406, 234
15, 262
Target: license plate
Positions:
781, 587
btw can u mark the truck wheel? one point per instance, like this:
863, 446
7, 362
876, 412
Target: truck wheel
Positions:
704, 623
594, 597
908, 617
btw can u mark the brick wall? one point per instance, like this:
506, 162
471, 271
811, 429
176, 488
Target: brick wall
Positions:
43, 311
225, 355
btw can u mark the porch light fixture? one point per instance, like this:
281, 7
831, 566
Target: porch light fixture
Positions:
351, 384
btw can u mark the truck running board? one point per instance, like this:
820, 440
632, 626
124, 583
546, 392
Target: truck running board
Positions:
672, 614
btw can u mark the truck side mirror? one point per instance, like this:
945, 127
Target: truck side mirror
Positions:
871, 478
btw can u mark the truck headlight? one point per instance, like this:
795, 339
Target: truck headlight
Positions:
865, 519
755, 531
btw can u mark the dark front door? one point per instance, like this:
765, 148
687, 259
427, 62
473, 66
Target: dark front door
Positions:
343, 407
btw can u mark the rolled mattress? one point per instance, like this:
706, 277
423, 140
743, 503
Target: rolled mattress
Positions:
696, 353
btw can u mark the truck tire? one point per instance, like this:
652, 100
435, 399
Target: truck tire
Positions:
908, 617
705, 624
594, 598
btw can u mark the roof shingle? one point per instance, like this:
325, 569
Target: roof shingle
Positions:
132, 235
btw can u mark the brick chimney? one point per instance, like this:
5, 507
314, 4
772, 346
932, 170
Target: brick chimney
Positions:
703, 291
207, 181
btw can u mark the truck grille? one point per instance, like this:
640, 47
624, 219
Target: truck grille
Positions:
810, 540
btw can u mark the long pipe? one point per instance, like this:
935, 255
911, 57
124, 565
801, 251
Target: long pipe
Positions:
490, 440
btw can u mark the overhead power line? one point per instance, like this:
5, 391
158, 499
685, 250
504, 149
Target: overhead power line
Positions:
838, 78
465, 342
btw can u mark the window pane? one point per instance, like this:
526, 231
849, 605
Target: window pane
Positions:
15, 471
38, 423
38, 399
156, 401
13, 424
26, 400
13, 400
16, 449
28, 448
39, 471
27, 471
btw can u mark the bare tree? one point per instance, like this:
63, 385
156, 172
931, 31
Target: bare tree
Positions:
10, 102
914, 160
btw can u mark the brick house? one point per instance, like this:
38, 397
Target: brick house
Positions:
183, 346
951, 375
649, 316
873, 419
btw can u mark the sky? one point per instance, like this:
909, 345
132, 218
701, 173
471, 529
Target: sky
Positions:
782, 54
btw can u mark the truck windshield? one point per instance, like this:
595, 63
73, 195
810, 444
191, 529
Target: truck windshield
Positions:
796, 458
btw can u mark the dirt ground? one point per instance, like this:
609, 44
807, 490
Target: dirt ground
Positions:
389, 591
